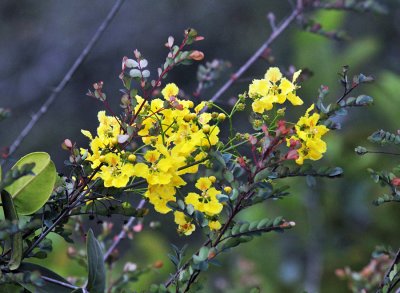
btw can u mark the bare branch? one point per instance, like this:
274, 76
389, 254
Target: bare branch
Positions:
275, 33
122, 234
43, 109
51, 280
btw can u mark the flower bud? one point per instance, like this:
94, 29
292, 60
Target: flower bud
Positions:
187, 117
281, 112
114, 141
131, 158
206, 129
240, 107
212, 179
257, 123
221, 117
228, 189
196, 55
396, 181
242, 97
158, 264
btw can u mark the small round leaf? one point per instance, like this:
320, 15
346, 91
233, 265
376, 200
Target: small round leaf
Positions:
31, 192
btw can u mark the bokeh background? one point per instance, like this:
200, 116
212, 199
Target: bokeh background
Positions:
337, 225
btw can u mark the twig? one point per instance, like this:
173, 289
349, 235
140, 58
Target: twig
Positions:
271, 19
275, 33
122, 234
383, 152
395, 261
60, 217
43, 109
51, 280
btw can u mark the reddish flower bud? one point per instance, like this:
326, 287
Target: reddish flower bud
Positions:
264, 128
282, 127
294, 143
158, 264
196, 55
396, 181
252, 139
241, 162
292, 155
137, 228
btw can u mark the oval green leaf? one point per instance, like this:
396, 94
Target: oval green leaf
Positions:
97, 272
31, 192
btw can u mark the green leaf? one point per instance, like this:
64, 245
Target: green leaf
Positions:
363, 100
228, 175
30, 193
48, 287
10, 214
337, 171
97, 272
244, 227
263, 174
263, 223
231, 242
203, 253
277, 221
218, 158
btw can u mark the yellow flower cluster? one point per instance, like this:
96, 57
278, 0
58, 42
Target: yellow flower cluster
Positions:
176, 137
205, 202
116, 168
309, 133
273, 88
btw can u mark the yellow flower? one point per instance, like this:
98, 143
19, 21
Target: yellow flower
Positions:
273, 74
273, 89
309, 133
295, 100
114, 172
170, 90
184, 223
152, 156
159, 195
263, 104
214, 225
203, 183
200, 107
259, 88
204, 118
207, 202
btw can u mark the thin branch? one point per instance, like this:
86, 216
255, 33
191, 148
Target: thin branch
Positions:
122, 234
396, 260
43, 109
275, 33
60, 217
382, 152
67, 285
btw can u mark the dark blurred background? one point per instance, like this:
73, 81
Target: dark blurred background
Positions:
336, 223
